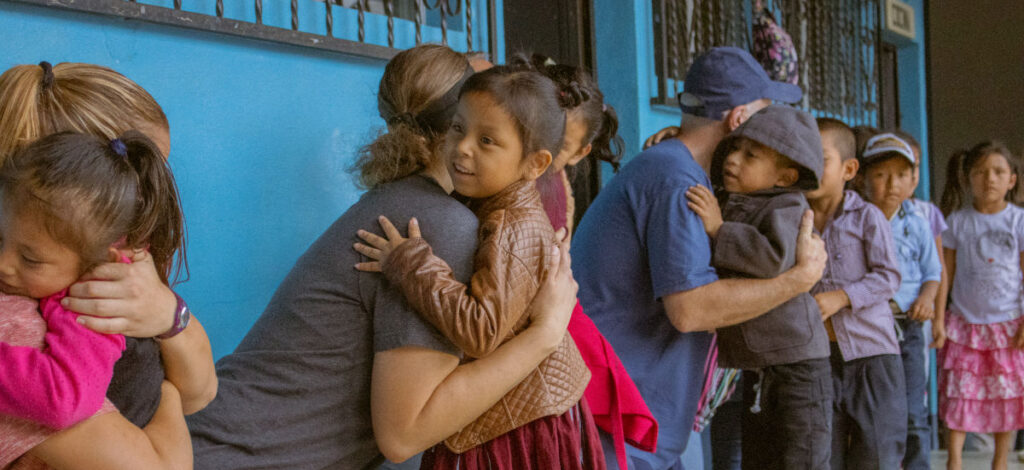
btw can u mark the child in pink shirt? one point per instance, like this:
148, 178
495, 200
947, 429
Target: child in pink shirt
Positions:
65, 202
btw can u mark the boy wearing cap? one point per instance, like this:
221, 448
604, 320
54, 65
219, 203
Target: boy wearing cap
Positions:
869, 422
888, 168
764, 166
643, 260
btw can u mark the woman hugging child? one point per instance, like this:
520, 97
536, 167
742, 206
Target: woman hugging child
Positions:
508, 125
69, 202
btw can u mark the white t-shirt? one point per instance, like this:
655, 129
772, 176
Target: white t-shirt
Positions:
987, 286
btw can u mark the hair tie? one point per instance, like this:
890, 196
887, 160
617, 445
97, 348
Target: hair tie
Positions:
404, 118
47, 75
117, 145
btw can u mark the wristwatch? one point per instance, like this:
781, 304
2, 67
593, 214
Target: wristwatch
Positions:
182, 315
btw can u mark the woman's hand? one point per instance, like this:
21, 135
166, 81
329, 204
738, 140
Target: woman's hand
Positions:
666, 133
703, 202
379, 248
127, 299
556, 299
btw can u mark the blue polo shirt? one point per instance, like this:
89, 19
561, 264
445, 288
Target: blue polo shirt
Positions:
916, 251
637, 242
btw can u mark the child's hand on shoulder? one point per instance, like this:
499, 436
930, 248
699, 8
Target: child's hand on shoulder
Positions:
379, 247
922, 310
831, 302
702, 201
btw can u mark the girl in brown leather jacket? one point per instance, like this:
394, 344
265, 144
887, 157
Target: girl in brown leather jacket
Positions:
508, 124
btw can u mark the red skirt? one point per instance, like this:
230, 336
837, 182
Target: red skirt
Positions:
566, 442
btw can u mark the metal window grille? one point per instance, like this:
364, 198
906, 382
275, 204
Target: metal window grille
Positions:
331, 30
837, 43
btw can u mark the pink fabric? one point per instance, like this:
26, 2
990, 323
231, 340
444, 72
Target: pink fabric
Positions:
555, 198
614, 399
981, 376
21, 325
62, 381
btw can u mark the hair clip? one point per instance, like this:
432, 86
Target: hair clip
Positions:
119, 148
47, 74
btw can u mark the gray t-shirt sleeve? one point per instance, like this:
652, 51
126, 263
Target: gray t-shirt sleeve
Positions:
452, 235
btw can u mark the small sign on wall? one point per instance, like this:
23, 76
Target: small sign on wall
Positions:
899, 18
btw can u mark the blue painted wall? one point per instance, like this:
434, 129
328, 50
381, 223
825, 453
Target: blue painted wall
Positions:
261, 136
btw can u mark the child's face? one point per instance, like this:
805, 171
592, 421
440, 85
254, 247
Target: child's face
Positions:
485, 153
889, 182
573, 149
32, 263
835, 172
991, 178
752, 167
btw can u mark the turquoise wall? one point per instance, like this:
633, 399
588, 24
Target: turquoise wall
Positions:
261, 136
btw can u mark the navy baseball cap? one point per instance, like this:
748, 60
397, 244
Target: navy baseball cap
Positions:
726, 77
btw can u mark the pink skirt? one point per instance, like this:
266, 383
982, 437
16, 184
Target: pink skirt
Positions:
566, 442
981, 376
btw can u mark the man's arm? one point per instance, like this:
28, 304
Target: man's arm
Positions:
421, 396
730, 301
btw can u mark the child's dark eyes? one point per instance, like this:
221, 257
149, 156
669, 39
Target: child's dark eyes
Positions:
31, 261
486, 140
456, 127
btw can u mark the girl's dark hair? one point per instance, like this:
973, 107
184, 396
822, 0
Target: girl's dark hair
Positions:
580, 94
531, 99
411, 100
956, 193
92, 194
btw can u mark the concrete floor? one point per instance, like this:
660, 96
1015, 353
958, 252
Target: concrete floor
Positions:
979, 460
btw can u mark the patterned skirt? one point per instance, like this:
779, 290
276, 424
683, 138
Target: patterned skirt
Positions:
981, 376
567, 442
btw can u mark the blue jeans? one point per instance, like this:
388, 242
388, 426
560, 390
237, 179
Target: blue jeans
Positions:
918, 431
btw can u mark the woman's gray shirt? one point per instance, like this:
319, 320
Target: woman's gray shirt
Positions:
296, 391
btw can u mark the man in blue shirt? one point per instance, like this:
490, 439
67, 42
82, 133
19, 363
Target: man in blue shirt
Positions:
642, 258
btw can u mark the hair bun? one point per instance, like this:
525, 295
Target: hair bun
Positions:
572, 95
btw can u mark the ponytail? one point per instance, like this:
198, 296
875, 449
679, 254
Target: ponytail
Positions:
393, 155
580, 94
953, 194
159, 224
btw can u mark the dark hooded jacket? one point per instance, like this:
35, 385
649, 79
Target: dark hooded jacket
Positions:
758, 240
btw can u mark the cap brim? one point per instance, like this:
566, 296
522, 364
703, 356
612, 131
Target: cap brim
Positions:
783, 92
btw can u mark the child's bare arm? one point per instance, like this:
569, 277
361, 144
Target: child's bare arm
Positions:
476, 318
939, 322
110, 442
923, 308
831, 302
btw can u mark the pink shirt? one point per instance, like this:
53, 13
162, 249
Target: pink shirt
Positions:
55, 372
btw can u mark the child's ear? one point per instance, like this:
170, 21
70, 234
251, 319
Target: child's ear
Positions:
736, 116
850, 168
536, 164
788, 177
580, 155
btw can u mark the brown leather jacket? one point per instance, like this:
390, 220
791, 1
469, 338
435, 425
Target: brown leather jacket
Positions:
514, 241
